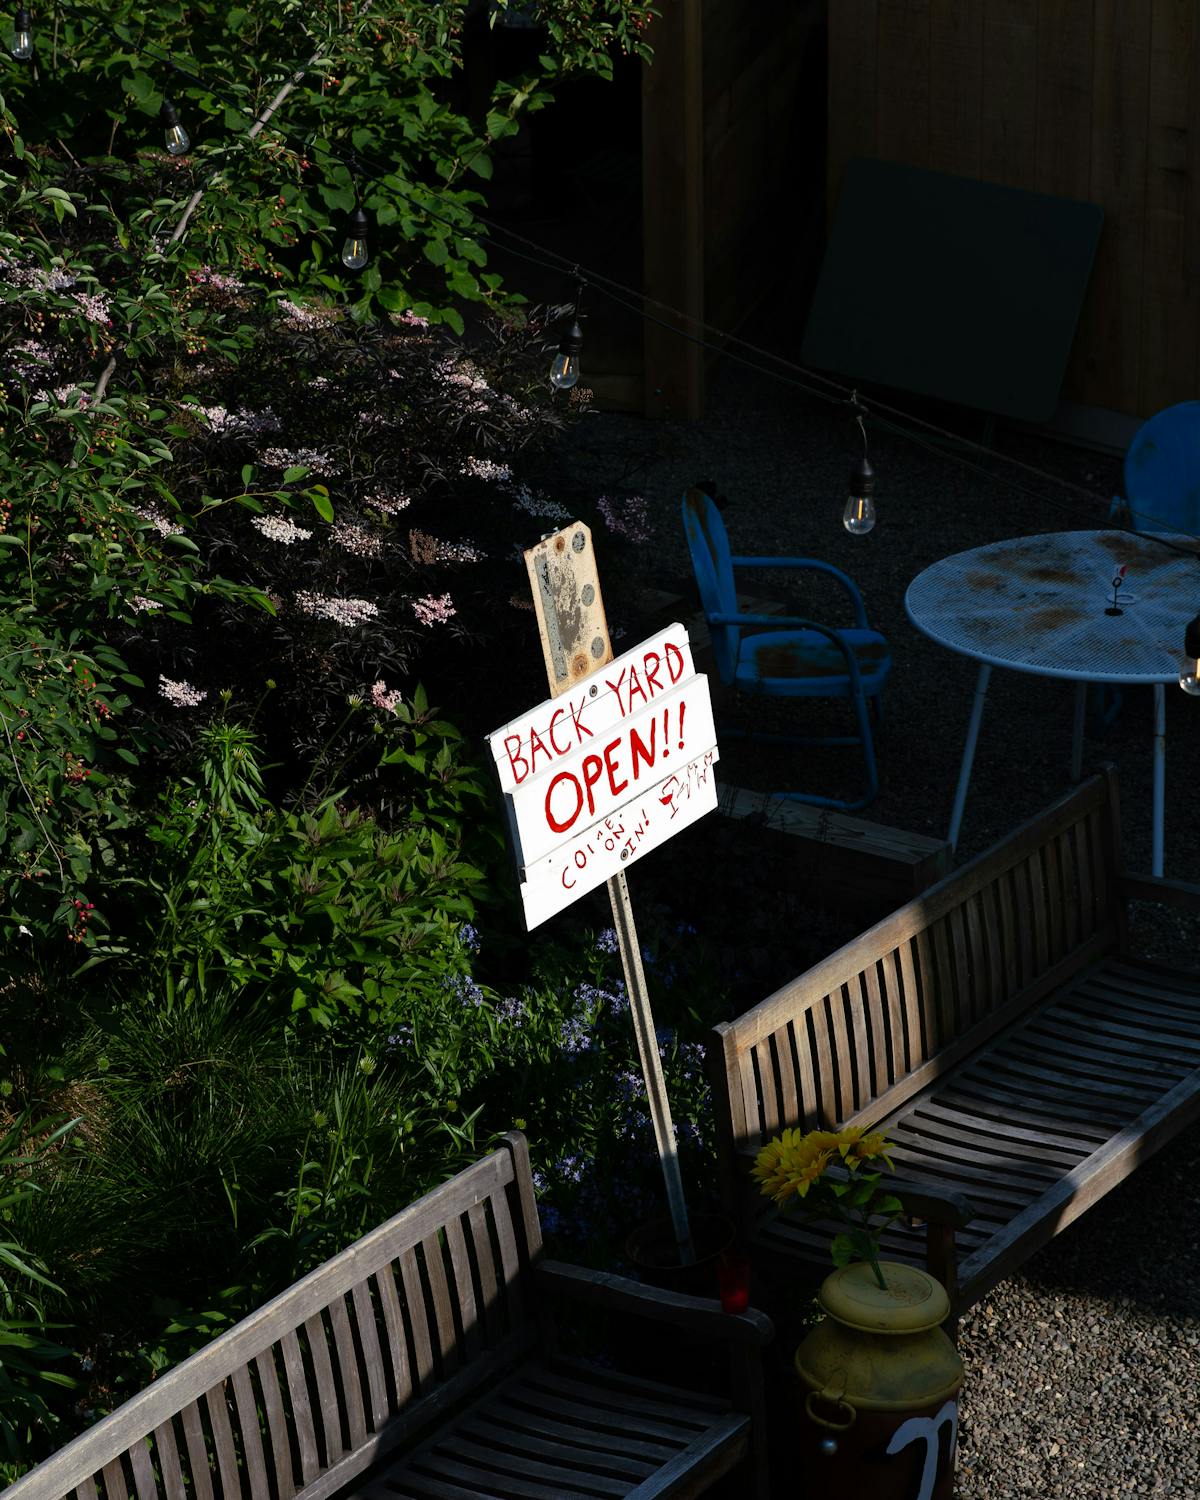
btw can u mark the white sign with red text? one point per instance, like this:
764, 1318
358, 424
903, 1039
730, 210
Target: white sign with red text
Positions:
608, 771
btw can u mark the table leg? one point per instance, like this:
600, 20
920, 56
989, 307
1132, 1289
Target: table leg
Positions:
964, 774
1160, 776
1081, 690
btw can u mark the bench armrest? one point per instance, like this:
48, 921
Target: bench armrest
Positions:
1155, 888
925, 1200
702, 1314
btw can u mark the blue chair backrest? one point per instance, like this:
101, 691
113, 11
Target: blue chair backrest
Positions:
709, 547
1162, 471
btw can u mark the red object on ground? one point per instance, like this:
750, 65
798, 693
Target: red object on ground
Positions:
733, 1280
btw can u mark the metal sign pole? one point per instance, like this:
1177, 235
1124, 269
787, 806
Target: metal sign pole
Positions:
575, 642
647, 1040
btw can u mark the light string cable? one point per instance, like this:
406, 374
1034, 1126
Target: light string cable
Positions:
630, 298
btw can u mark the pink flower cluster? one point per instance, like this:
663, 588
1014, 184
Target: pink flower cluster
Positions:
484, 468
433, 609
627, 516
384, 697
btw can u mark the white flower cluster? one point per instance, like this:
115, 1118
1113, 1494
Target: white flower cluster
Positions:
458, 552
154, 516
390, 502
62, 394
313, 460
30, 358
17, 273
413, 319
181, 694
280, 529
356, 539
535, 503
95, 306
484, 468
143, 606
346, 612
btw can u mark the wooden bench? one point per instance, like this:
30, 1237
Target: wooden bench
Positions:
423, 1362
1000, 1030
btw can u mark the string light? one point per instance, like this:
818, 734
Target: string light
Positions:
858, 517
358, 226
175, 137
22, 44
564, 367
1189, 679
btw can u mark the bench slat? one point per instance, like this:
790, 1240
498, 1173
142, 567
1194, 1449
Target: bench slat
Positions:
247, 1413
491, 1313
347, 1381
393, 1318
368, 1337
489, 1428
491, 1459
227, 1459
197, 1450
113, 1474
418, 1318
460, 1265
302, 1414
168, 1462
327, 1396
281, 1450
619, 1444
443, 1309
854, 1013
939, 1109
881, 1073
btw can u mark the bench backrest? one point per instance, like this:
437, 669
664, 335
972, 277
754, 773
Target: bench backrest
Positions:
877, 1020
305, 1393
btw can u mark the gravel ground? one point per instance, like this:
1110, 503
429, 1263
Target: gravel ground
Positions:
1082, 1371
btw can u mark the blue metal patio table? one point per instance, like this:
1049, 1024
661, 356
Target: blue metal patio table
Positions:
1043, 605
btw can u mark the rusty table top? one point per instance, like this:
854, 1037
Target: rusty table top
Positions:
1037, 604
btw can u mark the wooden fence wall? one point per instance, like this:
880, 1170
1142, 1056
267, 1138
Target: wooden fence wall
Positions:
1091, 99
721, 172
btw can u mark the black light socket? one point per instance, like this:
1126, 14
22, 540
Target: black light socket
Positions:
1191, 639
22, 21
168, 114
358, 226
862, 478
573, 342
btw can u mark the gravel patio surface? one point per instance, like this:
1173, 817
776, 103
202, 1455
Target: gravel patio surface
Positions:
1081, 1372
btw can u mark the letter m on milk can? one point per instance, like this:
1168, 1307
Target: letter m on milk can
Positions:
617, 763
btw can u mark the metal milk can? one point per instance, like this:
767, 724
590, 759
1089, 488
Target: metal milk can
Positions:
879, 1405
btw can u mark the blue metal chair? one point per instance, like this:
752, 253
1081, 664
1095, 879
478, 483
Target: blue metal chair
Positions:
788, 657
1162, 471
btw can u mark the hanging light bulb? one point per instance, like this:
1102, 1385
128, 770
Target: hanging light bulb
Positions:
859, 515
564, 367
1189, 678
22, 45
354, 251
175, 137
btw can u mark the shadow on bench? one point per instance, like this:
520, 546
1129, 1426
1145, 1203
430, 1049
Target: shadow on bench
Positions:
423, 1361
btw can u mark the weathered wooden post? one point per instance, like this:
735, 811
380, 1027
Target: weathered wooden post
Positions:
617, 761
